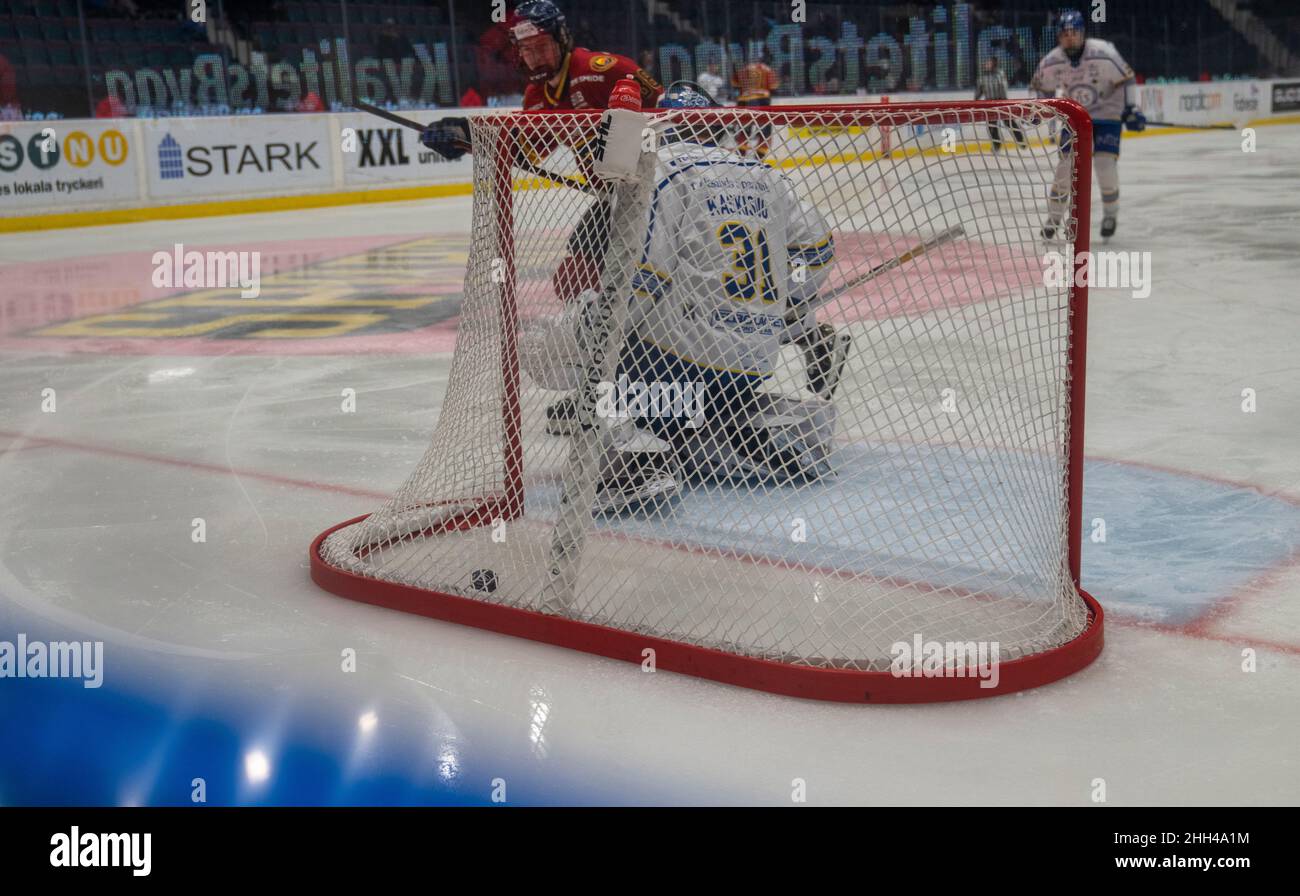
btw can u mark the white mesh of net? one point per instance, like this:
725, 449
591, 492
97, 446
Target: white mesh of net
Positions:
935, 503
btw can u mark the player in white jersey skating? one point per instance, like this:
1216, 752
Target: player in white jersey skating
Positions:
729, 272
1092, 73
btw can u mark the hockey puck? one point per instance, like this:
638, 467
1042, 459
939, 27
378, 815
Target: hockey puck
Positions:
483, 580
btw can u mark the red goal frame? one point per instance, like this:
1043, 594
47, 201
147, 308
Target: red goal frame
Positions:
781, 678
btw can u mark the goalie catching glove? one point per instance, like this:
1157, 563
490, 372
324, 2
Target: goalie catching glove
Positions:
448, 137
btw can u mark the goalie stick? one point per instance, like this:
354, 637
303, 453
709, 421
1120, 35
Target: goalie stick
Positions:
563, 179
916, 251
824, 379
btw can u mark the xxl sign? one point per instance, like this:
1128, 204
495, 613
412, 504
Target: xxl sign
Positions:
373, 154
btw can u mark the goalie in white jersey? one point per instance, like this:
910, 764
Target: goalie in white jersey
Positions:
729, 272
1092, 73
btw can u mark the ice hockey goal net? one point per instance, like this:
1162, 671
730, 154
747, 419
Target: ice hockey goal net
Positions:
929, 522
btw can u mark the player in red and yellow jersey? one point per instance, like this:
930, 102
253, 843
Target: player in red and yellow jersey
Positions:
754, 84
560, 77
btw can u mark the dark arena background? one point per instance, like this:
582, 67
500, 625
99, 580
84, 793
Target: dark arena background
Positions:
115, 58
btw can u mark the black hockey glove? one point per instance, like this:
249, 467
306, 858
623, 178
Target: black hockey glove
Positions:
448, 137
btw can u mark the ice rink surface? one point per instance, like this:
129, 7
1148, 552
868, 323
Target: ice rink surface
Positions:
223, 662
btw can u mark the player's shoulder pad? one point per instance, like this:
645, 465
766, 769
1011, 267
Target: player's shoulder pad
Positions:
681, 153
621, 67
1095, 46
1055, 56
598, 62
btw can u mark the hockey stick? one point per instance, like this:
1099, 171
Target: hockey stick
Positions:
825, 382
1198, 127
916, 251
388, 116
563, 179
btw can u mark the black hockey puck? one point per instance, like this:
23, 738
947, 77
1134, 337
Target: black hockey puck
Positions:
483, 580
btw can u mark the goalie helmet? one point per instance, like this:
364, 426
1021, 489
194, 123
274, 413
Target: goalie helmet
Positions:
689, 95
530, 25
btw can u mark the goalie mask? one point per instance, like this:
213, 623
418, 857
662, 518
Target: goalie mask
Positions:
540, 38
689, 95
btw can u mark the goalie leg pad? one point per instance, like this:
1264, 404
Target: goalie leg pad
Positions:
553, 349
781, 440
789, 441
639, 470
550, 350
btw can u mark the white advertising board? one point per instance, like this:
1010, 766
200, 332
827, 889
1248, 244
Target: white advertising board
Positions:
375, 153
86, 165
246, 155
66, 165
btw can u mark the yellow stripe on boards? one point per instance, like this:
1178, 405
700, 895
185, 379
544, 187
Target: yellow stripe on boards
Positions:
60, 220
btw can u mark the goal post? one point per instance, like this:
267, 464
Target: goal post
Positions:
931, 552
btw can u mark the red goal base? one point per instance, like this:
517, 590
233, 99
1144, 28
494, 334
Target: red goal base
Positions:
845, 686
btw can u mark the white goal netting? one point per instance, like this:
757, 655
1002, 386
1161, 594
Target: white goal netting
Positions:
835, 400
